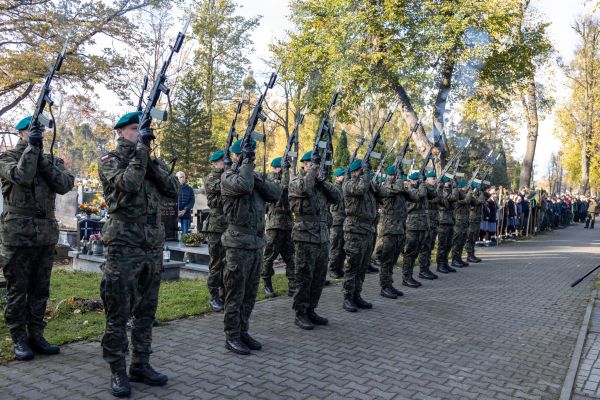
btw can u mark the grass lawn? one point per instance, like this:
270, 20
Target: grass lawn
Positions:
67, 323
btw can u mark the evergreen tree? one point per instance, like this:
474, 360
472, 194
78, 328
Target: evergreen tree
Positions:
341, 157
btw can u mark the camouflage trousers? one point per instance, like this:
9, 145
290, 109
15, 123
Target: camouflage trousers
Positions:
279, 242
416, 243
425, 253
241, 278
216, 252
459, 238
336, 248
358, 248
27, 272
472, 236
445, 235
129, 287
391, 247
311, 270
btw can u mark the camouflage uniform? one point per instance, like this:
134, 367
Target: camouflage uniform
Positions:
417, 226
336, 235
133, 185
445, 231
361, 211
392, 197
28, 233
215, 227
433, 196
245, 194
479, 198
461, 226
309, 201
279, 232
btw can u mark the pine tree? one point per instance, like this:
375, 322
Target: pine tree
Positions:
341, 158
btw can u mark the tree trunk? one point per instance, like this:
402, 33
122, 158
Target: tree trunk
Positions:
585, 168
439, 107
529, 99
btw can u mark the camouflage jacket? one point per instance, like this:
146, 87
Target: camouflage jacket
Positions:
361, 204
417, 208
245, 197
434, 193
133, 184
309, 202
30, 182
216, 218
463, 206
338, 211
392, 199
479, 198
279, 215
447, 205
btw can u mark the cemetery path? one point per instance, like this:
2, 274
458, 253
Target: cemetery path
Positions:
502, 329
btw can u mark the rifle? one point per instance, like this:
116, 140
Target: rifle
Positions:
293, 139
232, 134
361, 141
38, 118
402, 154
490, 169
327, 162
375, 140
382, 162
325, 128
474, 176
427, 158
159, 87
257, 114
141, 100
454, 160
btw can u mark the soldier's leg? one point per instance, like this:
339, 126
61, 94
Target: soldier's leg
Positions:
352, 263
368, 244
388, 247
271, 253
287, 254
319, 275
424, 256
17, 267
119, 272
304, 259
216, 252
39, 289
413, 241
254, 260
336, 251
234, 279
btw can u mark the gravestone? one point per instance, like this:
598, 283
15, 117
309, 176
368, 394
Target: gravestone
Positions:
169, 218
87, 227
66, 208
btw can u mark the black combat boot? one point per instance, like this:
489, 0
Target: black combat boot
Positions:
442, 268
336, 274
315, 318
426, 273
349, 305
303, 322
269, 292
372, 269
411, 282
40, 345
472, 259
362, 303
388, 293
216, 304
464, 264
456, 263
144, 373
235, 345
449, 268
119, 381
249, 341
398, 292
22, 350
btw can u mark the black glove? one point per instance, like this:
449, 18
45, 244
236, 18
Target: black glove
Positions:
315, 158
146, 136
286, 163
36, 136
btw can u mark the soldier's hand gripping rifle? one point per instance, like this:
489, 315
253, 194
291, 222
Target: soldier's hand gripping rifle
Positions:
232, 134
375, 140
293, 140
145, 134
325, 130
257, 115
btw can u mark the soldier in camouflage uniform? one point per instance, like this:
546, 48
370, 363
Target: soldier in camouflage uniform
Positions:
417, 226
479, 197
309, 196
392, 197
133, 183
279, 232
245, 194
28, 233
447, 203
336, 234
433, 193
361, 211
463, 207
215, 228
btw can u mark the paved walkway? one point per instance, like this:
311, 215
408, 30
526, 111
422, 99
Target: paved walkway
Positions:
503, 329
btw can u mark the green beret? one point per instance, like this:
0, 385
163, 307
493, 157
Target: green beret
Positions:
445, 179
356, 165
430, 174
414, 176
391, 170
462, 183
306, 156
276, 162
381, 179
237, 146
404, 177
128, 119
23, 124
217, 155
339, 172
475, 184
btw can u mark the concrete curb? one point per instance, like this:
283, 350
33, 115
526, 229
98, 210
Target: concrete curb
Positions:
567, 389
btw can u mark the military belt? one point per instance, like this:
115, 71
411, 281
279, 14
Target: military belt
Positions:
216, 210
144, 219
308, 218
244, 229
28, 212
